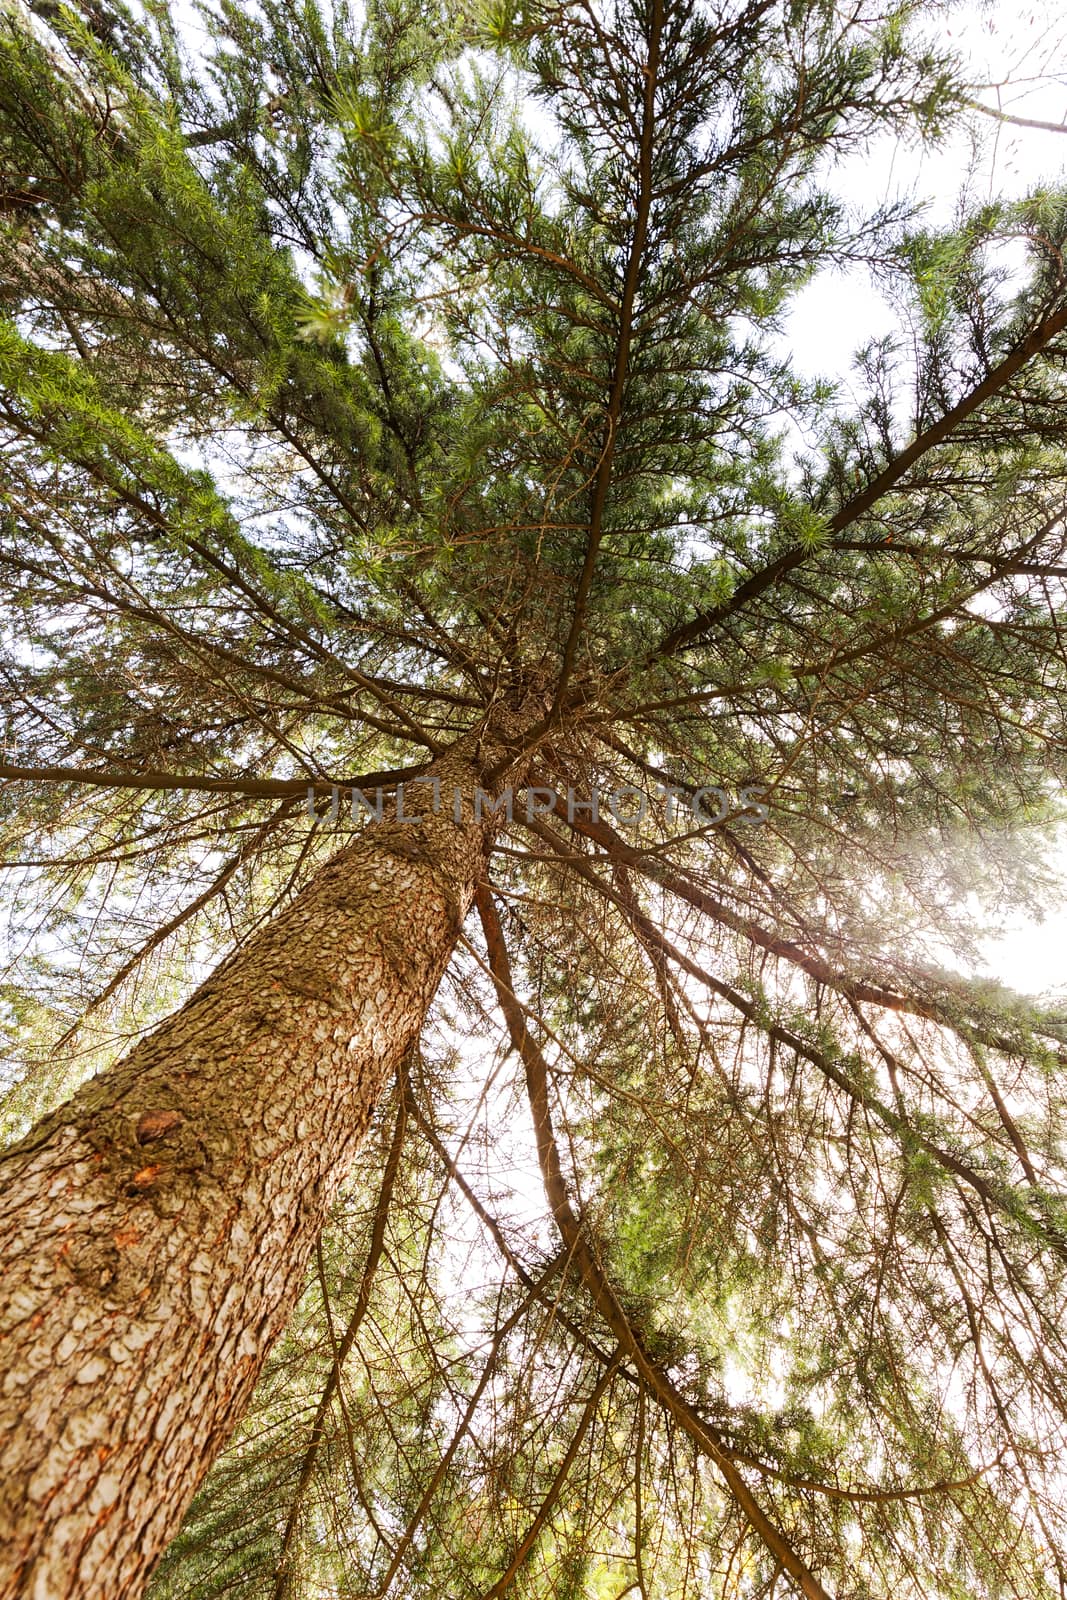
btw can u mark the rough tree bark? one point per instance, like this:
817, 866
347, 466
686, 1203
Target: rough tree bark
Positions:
154, 1231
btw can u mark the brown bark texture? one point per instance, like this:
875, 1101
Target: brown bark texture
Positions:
155, 1230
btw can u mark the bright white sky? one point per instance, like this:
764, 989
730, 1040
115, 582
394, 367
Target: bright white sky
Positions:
1023, 49
1016, 41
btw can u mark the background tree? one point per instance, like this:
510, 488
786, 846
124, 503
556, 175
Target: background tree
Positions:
396, 393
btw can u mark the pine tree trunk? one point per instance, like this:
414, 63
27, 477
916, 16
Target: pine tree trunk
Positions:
154, 1231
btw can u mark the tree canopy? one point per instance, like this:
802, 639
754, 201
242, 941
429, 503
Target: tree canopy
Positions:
365, 366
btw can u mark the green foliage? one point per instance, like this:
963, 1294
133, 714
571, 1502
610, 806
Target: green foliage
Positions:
339, 347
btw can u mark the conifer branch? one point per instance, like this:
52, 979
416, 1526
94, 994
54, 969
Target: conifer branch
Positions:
885, 482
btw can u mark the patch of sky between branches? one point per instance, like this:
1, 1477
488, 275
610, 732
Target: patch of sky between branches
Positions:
1014, 54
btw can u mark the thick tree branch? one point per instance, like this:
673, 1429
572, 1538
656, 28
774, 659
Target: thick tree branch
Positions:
651, 866
907, 1132
882, 484
1017, 122
150, 781
576, 1242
